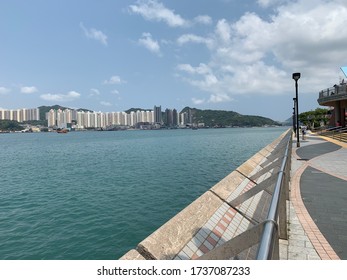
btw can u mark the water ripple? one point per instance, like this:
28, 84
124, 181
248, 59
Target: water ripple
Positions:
96, 195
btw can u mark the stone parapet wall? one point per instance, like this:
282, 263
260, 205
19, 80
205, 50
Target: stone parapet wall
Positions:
236, 204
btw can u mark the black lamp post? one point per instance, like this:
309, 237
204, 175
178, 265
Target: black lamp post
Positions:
294, 116
296, 77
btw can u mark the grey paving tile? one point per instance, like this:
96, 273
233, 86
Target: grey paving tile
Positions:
324, 196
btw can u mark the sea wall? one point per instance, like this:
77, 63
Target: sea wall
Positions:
230, 210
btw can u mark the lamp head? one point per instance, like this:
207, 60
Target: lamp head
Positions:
296, 76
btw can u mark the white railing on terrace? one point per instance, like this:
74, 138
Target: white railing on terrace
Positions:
335, 90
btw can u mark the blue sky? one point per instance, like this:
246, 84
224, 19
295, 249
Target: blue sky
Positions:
209, 54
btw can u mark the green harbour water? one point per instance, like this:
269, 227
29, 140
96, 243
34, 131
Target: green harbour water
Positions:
96, 195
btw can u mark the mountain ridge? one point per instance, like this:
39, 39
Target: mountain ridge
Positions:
211, 118
222, 118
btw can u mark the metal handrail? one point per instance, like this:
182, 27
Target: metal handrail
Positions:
340, 89
328, 130
266, 232
338, 134
270, 231
335, 133
335, 128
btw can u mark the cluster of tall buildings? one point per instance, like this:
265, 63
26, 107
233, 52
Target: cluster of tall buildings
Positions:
20, 115
87, 119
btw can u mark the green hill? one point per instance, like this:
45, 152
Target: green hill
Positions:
46, 109
220, 118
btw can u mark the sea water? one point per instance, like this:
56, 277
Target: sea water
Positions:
96, 195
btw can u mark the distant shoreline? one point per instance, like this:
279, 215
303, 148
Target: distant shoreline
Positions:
134, 129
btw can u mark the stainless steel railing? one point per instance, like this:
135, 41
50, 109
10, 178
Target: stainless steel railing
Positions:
263, 236
270, 237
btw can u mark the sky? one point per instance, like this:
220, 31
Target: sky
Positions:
114, 55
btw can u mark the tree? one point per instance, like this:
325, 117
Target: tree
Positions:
7, 125
314, 118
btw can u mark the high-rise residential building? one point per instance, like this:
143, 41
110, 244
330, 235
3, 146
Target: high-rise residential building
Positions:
175, 117
132, 119
51, 118
7, 115
63, 118
60, 118
80, 119
158, 115
184, 118
150, 116
13, 115
190, 116
171, 117
20, 115
143, 116
168, 117
31, 114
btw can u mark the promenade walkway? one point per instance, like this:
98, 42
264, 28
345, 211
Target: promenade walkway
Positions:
318, 201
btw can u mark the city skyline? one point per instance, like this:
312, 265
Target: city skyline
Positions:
86, 119
84, 109
83, 118
221, 55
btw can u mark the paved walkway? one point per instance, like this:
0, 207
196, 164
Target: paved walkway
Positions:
318, 202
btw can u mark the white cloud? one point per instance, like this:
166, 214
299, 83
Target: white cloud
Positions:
149, 43
207, 82
105, 103
94, 92
70, 96
223, 30
202, 69
203, 19
94, 34
257, 55
28, 90
156, 11
191, 38
153, 10
4, 90
116, 92
201, 76
114, 80
219, 98
186, 67
198, 101
319, 40
268, 3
